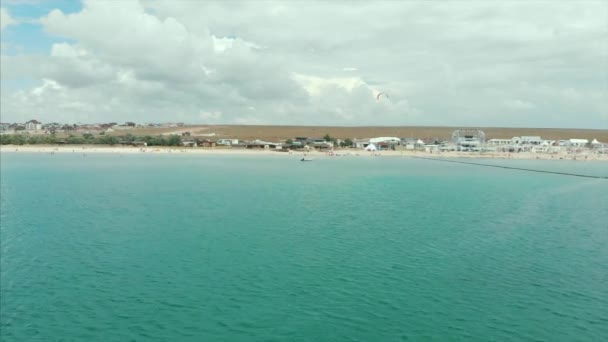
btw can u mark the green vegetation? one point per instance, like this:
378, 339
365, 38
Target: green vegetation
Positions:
346, 143
329, 138
89, 139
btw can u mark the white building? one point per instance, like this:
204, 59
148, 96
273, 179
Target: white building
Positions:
432, 148
500, 142
391, 140
448, 147
33, 125
578, 142
228, 142
360, 143
531, 140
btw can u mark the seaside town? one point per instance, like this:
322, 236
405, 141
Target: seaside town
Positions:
462, 141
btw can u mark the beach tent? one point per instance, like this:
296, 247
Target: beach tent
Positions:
595, 142
371, 147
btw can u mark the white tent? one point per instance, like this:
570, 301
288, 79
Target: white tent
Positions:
371, 147
595, 142
420, 142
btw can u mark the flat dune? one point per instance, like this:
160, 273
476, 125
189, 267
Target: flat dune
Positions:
275, 133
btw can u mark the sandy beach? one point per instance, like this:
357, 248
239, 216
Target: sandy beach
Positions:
88, 149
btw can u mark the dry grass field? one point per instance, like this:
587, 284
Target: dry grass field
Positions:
275, 133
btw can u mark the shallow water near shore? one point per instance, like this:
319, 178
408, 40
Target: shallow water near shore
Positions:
257, 248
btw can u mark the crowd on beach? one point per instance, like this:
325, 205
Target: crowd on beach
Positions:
464, 143
335, 153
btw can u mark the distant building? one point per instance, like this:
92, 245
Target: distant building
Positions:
360, 143
531, 140
172, 124
259, 144
204, 142
500, 142
33, 125
468, 138
578, 142
388, 140
407, 143
319, 143
4, 127
228, 142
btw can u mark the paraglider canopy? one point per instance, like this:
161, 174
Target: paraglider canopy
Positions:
381, 94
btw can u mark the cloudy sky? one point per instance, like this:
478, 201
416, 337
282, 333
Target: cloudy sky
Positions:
442, 63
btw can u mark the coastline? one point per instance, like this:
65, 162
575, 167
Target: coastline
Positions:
93, 149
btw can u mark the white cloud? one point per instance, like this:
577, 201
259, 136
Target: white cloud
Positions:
5, 19
519, 104
67, 50
315, 85
224, 43
264, 62
46, 87
209, 117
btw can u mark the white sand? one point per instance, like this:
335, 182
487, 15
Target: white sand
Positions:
89, 149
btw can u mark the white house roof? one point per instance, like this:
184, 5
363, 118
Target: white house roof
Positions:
383, 139
579, 141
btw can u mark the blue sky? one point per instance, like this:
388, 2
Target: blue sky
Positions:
464, 63
28, 36
34, 9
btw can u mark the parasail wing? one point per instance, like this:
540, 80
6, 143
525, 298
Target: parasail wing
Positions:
380, 94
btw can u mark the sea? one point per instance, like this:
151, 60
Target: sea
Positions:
180, 247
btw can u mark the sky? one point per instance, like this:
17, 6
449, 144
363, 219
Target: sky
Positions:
442, 63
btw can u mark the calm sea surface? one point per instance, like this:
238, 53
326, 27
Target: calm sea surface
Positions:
218, 248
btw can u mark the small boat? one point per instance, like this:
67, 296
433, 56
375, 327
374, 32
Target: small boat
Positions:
304, 159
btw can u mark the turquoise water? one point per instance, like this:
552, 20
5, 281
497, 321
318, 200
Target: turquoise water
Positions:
217, 248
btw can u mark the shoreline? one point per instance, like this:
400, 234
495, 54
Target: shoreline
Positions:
93, 149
